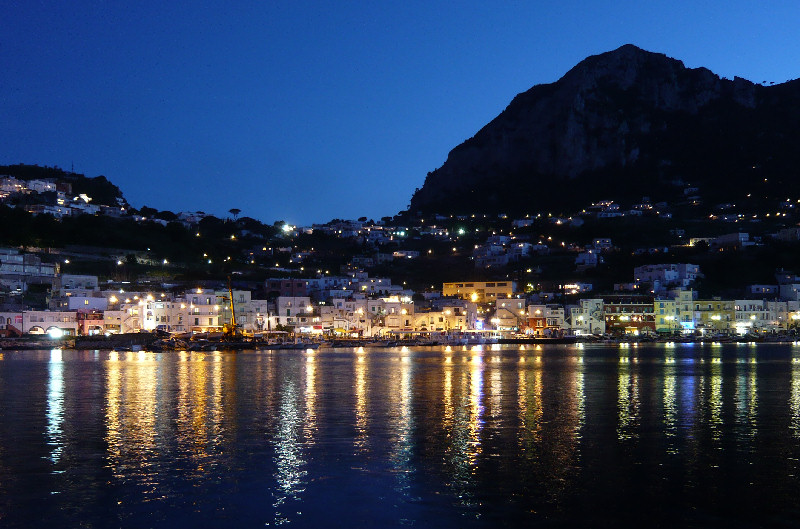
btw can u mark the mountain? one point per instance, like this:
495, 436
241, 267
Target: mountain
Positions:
622, 125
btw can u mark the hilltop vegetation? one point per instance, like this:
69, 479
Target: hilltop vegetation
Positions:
99, 188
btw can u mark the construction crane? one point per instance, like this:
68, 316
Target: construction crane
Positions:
231, 330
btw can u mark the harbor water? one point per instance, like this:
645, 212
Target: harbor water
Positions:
658, 435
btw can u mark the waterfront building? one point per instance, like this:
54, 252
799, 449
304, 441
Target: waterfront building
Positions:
480, 291
90, 322
629, 314
10, 324
459, 314
120, 321
544, 320
292, 310
54, 323
587, 317
446, 320
715, 316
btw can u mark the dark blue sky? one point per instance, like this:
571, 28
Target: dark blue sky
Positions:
306, 111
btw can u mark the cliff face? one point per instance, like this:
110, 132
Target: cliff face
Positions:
623, 118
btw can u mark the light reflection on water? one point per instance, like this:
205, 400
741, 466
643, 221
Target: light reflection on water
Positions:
442, 437
55, 404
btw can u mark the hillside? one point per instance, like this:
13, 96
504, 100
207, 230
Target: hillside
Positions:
99, 188
622, 125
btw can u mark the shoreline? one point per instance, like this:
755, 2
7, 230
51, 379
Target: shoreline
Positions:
149, 342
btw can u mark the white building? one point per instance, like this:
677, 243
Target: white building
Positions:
50, 322
587, 318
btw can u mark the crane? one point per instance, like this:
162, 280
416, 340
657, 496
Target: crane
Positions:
231, 330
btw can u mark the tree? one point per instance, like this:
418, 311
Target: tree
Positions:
235, 212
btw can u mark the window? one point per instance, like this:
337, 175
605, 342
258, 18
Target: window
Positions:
211, 321
197, 321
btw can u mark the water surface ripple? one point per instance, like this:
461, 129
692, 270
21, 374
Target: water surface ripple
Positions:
557, 436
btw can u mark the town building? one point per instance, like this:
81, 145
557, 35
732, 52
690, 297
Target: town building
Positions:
480, 291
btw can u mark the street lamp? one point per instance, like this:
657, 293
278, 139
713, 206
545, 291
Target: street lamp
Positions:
670, 319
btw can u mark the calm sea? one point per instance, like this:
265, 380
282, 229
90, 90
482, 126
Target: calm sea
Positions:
547, 436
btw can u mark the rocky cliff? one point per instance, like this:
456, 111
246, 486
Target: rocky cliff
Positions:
617, 125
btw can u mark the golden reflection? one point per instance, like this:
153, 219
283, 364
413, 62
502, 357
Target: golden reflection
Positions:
495, 392
670, 407
752, 397
794, 396
627, 402
192, 409
311, 401
447, 395
216, 398
529, 398
475, 408
401, 425
463, 391
113, 420
580, 401
131, 415
361, 404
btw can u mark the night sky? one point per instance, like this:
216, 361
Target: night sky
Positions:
307, 111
